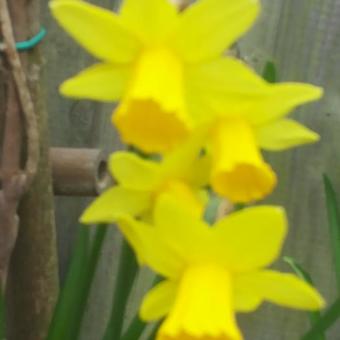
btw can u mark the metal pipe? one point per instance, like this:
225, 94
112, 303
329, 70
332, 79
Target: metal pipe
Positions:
79, 172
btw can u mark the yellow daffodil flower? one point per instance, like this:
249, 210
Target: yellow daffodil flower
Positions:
166, 68
246, 114
182, 173
212, 272
145, 52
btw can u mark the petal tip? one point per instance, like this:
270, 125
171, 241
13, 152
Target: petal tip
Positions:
314, 137
85, 218
64, 88
317, 302
319, 92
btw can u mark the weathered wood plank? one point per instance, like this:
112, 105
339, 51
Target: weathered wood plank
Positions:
79, 124
302, 38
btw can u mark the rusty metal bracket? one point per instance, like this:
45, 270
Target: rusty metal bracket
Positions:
79, 172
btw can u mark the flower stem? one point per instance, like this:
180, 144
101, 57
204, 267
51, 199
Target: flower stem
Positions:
154, 331
135, 329
72, 301
137, 326
127, 272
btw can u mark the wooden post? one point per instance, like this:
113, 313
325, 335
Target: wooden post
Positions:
32, 284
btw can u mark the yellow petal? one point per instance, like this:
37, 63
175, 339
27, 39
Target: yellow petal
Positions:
245, 300
284, 289
224, 87
116, 202
96, 29
284, 134
251, 238
180, 228
238, 170
203, 308
158, 301
281, 99
133, 172
150, 247
104, 82
209, 27
229, 88
151, 20
192, 200
153, 116
199, 173
180, 161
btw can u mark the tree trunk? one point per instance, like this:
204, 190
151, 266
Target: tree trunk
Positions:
33, 280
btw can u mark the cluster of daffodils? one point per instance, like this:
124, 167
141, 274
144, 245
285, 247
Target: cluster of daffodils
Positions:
204, 117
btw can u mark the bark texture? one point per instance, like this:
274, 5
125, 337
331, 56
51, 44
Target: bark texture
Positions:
32, 280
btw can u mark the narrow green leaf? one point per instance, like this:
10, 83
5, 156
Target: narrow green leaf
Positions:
269, 72
334, 225
64, 317
137, 326
300, 272
2, 317
127, 272
73, 297
326, 321
153, 334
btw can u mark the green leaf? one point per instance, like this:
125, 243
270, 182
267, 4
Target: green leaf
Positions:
269, 72
2, 317
299, 271
71, 304
127, 272
135, 330
154, 331
302, 274
137, 326
334, 225
326, 321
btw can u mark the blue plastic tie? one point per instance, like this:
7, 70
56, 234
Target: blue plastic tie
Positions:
34, 41
30, 43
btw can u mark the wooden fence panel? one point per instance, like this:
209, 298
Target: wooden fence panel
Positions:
302, 39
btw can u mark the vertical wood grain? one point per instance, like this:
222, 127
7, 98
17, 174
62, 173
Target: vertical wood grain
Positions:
302, 38
76, 123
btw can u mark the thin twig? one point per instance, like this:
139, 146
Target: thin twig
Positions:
31, 126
